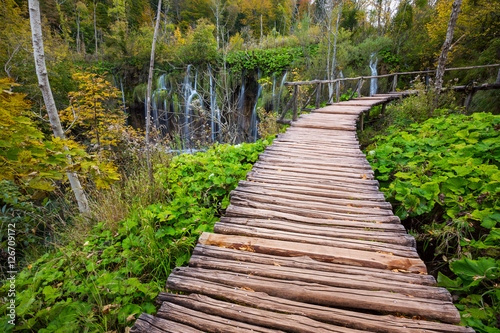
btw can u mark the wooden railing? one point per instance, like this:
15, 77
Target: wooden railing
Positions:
293, 102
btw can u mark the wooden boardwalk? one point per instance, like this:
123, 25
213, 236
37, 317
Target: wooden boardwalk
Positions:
308, 244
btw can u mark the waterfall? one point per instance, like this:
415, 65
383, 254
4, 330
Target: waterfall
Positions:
214, 109
253, 119
373, 68
159, 100
274, 92
189, 94
280, 90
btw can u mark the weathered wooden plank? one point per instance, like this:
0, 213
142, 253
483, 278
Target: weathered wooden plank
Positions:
371, 286
345, 243
324, 152
330, 296
344, 197
206, 322
399, 237
345, 182
350, 192
149, 324
306, 212
246, 212
361, 179
347, 161
313, 148
346, 206
359, 320
290, 160
358, 178
314, 251
364, 273
341, 172
323, 196
254, 316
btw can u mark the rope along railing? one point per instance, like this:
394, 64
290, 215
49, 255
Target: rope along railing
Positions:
293, 102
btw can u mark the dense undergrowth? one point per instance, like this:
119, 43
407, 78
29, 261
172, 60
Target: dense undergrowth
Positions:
103, 281
442, 175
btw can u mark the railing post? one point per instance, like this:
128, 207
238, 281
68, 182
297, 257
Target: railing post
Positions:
295, 106
337, 97
318, 95
361, 81
395, 82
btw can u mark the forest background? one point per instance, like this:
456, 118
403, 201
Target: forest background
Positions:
98, 54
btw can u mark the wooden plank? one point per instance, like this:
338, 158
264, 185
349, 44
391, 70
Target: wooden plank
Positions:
336, 127
254, 316
358, 320
324, 214
290, 192
149, 324
344, 243
330, 296
304, 146
316, 152
206, 322
341, 172
314, 166
400, 237
339, 160
348, 198
365, 273
292, 161
239, 211
348, 183
371, 286
307, 201
314, 251
350, 192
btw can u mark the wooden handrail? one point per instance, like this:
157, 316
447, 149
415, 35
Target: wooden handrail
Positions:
302, 83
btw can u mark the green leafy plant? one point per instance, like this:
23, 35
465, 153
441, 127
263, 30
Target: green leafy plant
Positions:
105, 282
446, 172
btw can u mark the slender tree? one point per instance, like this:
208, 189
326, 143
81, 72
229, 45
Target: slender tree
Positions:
447, 45
148, 96
48, 98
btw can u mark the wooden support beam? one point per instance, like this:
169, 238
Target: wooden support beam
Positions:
295, 102
318, 95
395, 82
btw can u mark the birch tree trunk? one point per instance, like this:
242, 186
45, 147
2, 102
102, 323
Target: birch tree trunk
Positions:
43, 82
95, 30
334, 59
148, 94
447, 45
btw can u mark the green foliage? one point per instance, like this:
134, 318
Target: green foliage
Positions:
446, 170
269, 61
200, 46
30, 159
106, 282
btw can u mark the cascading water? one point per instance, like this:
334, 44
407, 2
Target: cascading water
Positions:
253, 119
274, 92
189, 94
214, 109
283, 80
373, 68
241, 102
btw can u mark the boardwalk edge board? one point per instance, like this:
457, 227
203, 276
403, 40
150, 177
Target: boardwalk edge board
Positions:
308, 244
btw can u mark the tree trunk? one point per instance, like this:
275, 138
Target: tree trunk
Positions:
446, 46
334, 59
43, 82
95, 30
148, 95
